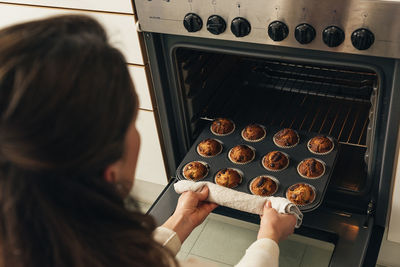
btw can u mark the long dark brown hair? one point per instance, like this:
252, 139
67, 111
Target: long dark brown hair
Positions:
66, 102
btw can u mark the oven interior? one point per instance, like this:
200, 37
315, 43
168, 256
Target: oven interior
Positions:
330, 99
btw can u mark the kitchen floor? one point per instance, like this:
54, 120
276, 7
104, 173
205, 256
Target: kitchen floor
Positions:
209, 240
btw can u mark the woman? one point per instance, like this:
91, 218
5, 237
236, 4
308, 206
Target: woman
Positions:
68, 150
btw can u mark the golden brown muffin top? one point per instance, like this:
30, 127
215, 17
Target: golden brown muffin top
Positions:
195, 171
320, 144
209, 147
253, 132
311, 168
286, 138
300, 194
222, 126
228, 178
241, 154
275, 160
263, 186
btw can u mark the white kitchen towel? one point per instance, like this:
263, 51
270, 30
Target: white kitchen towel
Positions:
241, 201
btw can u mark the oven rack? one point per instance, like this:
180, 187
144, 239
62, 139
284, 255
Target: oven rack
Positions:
323, 99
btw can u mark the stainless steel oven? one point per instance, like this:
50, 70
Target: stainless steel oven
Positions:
329, 67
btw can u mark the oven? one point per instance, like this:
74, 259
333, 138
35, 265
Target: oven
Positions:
330, 68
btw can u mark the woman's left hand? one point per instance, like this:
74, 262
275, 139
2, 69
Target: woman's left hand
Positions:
191, 210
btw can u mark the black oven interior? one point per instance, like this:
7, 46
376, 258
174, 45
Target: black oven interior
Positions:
332, 100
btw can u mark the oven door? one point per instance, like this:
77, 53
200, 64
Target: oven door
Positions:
355, 237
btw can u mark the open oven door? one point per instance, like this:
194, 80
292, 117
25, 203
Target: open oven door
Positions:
355, 237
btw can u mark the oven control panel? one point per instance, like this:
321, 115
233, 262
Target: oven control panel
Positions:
351, 26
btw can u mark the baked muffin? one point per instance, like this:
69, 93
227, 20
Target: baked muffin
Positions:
286, 138
300, 194
311, 168
253, 133
222, 126
275, 161
195, 170
241, 154
263, 186
209, 147
228, 178
320, 145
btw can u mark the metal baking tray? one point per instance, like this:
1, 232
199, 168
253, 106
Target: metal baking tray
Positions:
286, 177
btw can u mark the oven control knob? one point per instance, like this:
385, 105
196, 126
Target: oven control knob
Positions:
216, 25
192, 22
240, 27
278, 31
304, 33
333, 36
362, 39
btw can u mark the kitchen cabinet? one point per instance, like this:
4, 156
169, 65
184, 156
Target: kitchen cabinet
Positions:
121, 28
120, 6
139, 78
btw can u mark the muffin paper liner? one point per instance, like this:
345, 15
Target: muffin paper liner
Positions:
269, 176
324, 153
202, 162
240, 174
217, 134
311, 178
272, 170
302, 205
278, 145
222, 147
256, 140
242, 163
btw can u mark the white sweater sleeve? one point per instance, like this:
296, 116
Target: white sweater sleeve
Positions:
263, 252
168, 239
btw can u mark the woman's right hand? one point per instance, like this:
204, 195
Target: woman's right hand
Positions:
275, 226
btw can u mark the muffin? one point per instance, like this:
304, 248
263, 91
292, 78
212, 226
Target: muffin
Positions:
222, 126
263, 186
275, 161
241, 154
311, 168
195, 170
253, 133
301, 194
320, 145
228, 178
209, 148
286, 138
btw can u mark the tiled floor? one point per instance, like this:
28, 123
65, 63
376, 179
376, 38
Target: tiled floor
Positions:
208, 241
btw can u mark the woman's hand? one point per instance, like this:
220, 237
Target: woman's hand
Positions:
274, 225
190, 211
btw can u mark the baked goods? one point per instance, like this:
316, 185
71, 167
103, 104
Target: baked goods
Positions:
311, 168
222, 126
263, 186
300, 194
241, 154
209, 148
195, 170
253, 133
286, 138
275, 161
228, 178
320, 145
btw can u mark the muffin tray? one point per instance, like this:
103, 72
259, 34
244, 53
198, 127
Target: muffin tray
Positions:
251, 170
